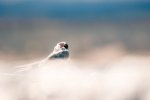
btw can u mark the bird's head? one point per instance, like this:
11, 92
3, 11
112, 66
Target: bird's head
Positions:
61, 45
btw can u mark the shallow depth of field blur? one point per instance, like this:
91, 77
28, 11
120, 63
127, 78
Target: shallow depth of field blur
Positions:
109, 44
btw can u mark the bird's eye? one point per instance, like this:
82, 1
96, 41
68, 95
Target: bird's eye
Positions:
66, 46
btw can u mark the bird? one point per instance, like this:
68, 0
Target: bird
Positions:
60, 51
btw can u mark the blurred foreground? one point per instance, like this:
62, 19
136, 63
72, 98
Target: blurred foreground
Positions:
126, 79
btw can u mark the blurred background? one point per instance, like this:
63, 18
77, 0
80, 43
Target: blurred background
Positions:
109, 44
101, 28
